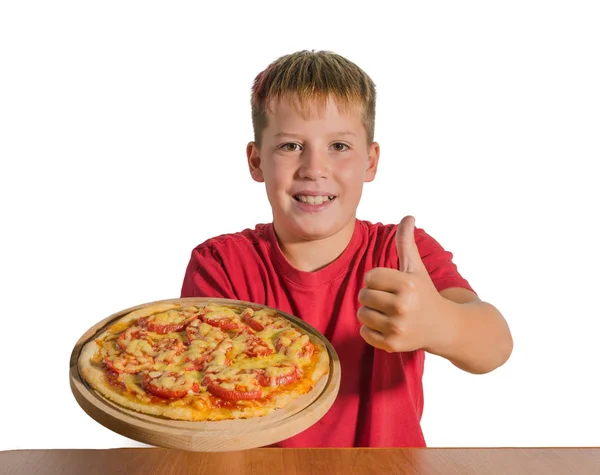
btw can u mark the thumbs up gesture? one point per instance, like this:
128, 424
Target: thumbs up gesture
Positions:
400, 308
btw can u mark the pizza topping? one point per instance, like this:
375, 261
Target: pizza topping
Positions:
294, 344
251, 345
201, 352
267, 319
125, 363
113, 378
198, 330
222, 317
233, 384
171, 320
170, 385
167, 349
278, 375
219, 356
135, 341
246, 317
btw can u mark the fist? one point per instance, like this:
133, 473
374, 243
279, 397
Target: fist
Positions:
399, 308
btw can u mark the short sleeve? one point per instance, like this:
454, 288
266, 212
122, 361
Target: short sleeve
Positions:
438, 262
205, 276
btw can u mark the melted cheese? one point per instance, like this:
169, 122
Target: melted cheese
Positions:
189, 311
276, 371
262, 362
239, 344
216, 312
269, 334
138, 347
132, 383
234, 378
219, 358
168, 317
297, 345
174, 381
198, 348
269, 317
119, 327
168, 356
210, 333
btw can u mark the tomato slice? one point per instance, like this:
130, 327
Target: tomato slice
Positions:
306, 351
239, 393
125, 363
143, 345
287, 338
199, 363
169, 385
169, 321
246, 317
220, 354
280, 380
199, 354
198, 330
256, 346
262, 319
167, 349
226, 321
251, 345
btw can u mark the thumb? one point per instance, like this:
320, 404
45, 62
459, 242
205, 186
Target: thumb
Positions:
408, 253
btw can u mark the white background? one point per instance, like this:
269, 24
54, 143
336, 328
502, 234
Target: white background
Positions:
123, 128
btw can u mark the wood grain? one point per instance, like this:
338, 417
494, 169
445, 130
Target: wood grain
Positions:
476, 461
207, 436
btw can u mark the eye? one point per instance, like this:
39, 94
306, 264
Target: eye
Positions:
289, 147
340, 147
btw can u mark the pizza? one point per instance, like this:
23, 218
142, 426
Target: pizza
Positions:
204, 362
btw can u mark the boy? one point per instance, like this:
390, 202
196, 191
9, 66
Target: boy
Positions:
381, 294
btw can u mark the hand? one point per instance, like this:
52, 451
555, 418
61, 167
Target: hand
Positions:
400, 308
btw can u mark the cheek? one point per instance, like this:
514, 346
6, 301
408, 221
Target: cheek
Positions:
280, 174
278, 178
351, 178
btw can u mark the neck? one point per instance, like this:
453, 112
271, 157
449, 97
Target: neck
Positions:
312, 255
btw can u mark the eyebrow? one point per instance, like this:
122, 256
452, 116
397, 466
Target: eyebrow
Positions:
287, 134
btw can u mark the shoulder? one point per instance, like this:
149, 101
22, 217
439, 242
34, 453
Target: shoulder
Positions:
377, 234
384, 235
437, 260
220, 266
237, 241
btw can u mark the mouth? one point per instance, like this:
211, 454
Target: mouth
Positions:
314, 200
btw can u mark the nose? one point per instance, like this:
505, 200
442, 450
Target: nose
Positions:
313, 164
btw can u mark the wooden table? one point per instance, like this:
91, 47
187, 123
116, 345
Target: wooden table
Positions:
155, 461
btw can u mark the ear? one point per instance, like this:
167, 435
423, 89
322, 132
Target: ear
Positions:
372, 162
253, 155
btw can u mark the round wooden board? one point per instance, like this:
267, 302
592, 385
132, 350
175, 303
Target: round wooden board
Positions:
209, 436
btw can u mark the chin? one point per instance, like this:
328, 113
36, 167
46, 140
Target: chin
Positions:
314, 229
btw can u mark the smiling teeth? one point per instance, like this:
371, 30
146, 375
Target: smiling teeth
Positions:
313, 200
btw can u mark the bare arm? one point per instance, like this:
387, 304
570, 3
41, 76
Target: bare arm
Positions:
474, 336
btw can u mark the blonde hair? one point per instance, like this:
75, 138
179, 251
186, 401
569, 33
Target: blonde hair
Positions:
311, 77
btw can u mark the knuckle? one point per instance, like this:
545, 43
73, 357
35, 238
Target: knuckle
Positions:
390, 344
361, 313
372, 275
395, 329
411, 284
361, 295
399, 306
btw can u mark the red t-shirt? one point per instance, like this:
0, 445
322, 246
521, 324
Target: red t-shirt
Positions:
380, 401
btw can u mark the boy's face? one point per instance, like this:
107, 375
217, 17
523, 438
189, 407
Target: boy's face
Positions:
314, 168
